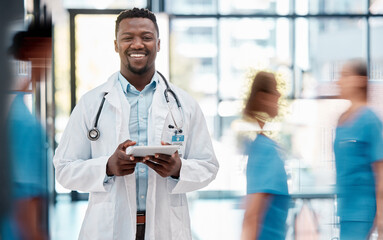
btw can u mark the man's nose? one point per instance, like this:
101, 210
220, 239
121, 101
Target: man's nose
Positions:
137, 43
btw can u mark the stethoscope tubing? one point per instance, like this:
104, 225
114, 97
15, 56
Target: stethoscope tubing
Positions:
94, 133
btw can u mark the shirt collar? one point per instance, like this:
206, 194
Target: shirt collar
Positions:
128, 87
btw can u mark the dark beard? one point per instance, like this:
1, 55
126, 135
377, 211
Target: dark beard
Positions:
138, 71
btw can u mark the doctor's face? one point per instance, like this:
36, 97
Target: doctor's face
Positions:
137, 43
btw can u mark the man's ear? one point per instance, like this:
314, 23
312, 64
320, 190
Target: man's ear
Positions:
159, 45
115, 46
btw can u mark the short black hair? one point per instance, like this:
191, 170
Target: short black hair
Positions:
359, 66
136, 13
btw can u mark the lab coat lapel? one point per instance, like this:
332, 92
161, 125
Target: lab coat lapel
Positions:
157, 114
118, 101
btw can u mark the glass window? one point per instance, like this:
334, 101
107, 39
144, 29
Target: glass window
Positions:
194, 61
255, 6
331, 7
104, 4
322, 46
376, 52
250, 43
191, 6
376, 6
376, 65
96, 58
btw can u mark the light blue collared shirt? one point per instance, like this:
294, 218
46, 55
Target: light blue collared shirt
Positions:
140, 103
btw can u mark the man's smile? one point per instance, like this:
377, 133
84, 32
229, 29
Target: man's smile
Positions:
137, 55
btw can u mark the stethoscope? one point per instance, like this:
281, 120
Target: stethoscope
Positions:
94, 133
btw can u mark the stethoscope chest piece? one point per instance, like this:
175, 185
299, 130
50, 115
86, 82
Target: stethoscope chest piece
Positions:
93, 134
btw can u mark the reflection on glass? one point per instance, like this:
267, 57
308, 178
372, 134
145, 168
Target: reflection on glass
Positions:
376, 6
376, 66
322, 47
96, 59
104, 4
245, 43
376, 53
194, 61
331, 7
191, 6
254, 6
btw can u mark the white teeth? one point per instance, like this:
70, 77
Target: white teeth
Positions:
137, 55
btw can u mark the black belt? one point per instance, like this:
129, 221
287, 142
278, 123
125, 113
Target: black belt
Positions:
141, 217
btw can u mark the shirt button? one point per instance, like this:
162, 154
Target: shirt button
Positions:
142, 170
142, 196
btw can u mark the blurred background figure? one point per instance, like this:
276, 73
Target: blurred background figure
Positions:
358, 148
28, 218
267, 199
9, 11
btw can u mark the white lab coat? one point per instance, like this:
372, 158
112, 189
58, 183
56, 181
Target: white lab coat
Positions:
80, 164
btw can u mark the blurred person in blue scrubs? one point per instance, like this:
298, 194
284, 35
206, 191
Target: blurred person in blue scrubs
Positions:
26, 136
267, 200
358, 148
10, 11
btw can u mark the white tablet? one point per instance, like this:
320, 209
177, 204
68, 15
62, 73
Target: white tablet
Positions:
142, 151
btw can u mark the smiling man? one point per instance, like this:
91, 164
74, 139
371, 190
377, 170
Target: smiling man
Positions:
136, 197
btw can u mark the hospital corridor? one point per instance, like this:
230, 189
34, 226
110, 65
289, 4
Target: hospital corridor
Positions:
191, 120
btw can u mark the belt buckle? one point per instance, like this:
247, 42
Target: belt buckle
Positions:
141, 218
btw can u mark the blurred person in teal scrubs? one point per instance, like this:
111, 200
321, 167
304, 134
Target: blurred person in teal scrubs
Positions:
358, 148
267, 200
28, 218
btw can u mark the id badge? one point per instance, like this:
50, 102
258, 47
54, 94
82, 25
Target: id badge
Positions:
178, 139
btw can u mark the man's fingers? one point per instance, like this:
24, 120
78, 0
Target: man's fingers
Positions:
158, 168
161, 158
122, 156
127, 167
129, 159
123, 146
164, 143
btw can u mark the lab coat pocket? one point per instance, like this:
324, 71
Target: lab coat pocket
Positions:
179, 222
177, 200
98, 223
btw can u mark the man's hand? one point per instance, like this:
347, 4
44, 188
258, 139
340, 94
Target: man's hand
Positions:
120, 164
165, 165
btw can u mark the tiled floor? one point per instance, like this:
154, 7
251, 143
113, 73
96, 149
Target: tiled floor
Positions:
66, 218
211, 219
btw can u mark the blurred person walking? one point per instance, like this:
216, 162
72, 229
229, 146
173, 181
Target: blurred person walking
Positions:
358, 148
267, 199
28, 218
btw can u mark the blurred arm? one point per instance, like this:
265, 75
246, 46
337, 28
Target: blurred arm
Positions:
256, 203
378, 169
